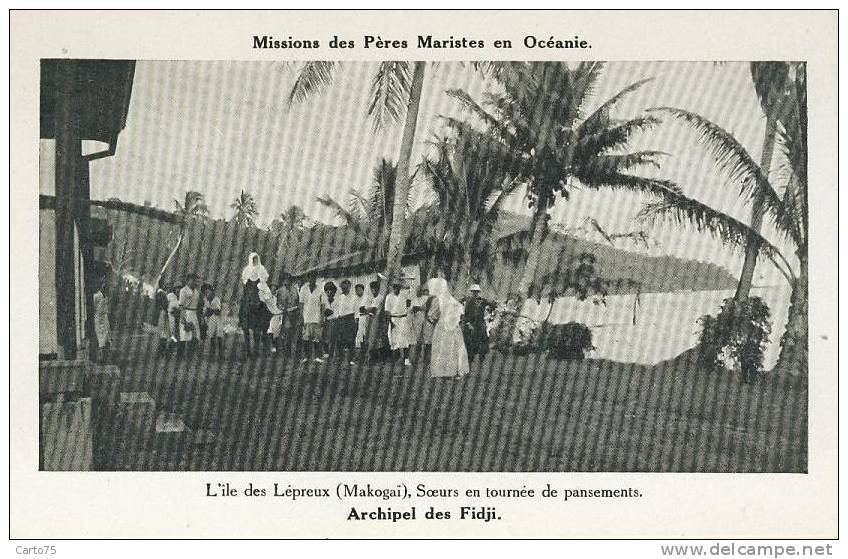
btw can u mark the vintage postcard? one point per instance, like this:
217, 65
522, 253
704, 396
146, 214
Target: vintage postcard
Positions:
424, 274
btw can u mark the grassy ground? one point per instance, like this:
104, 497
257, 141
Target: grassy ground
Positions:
510, 414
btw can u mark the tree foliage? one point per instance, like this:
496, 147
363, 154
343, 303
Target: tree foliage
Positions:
244, 209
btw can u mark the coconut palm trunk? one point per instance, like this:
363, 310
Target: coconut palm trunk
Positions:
397, 236
794, 344
752, 250
534, 257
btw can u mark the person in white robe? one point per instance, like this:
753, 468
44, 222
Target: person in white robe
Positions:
275, 325
449, 357
401, 336
363, 301
189, 325
174, 314
310, 297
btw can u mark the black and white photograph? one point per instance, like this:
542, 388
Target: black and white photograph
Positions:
420, 266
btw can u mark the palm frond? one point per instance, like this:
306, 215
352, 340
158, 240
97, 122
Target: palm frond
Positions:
314, 76
603, 111
733, 159
606, 137
358, 204
795, 205
508, 73
614, 180
471, 106
689, 212
605, 164
585, 78
389, 93
342, 213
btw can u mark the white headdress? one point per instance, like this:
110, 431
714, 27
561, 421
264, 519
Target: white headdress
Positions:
253, 272
449, 308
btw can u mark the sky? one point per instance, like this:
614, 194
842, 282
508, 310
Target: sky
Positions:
220, 127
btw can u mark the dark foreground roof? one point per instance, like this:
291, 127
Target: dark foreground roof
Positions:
100, 94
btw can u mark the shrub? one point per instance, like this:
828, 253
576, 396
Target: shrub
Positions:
503, 329
566, 341
736, 337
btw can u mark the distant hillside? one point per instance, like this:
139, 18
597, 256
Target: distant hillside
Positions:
217, 251
651, 273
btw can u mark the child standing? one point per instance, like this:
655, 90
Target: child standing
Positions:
397, 307
214, 327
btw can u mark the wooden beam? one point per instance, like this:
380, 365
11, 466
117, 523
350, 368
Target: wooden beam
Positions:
68, 154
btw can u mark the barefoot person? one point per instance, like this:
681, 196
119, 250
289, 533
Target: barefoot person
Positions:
400, 335
189, 325
268, 295
425, 311
449, 357
346, 308
363, 301
214, 327
174, 316
329, 315
310, 309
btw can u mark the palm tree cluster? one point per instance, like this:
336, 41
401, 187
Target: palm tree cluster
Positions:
539, 129
540, 116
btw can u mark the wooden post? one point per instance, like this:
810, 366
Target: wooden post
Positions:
67, 158
89, 278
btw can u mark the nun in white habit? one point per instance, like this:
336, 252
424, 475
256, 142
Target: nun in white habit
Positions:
254, 271
449, 357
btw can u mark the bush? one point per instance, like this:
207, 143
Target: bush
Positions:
501, 335
566, 341
736, 338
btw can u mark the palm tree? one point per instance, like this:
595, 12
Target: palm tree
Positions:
369, 216
469, 175
291, 219
395, 90
244, 206
557, 144
192, 207
771, 81
787, 212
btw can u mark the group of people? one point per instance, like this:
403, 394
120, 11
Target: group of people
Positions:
187, 315
335, 320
